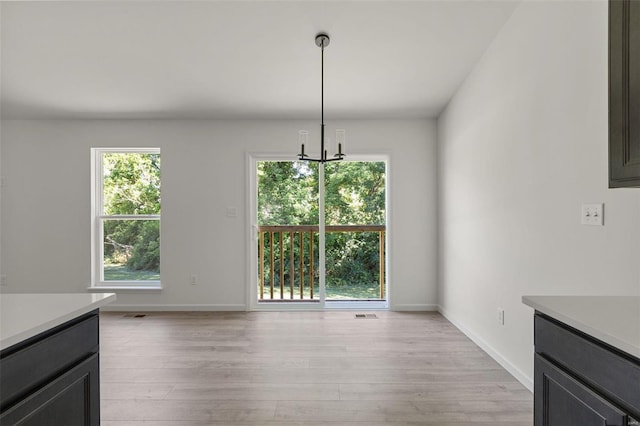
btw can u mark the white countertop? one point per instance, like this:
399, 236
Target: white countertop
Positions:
25, 315
614, 320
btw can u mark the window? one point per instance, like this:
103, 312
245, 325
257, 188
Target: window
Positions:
126, 218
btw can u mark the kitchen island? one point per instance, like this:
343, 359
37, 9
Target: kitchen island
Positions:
49, 358
587, 360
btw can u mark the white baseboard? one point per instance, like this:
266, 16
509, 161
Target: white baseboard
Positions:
418, 307
497, 356
173, 308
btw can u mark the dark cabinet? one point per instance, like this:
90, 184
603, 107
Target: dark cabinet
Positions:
624, 93
68, 400
53, 378
580, 381
564, 401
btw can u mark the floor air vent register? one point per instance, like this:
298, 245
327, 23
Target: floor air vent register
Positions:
366, 316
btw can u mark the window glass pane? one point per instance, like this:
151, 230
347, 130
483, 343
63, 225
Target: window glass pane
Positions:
131, 250
355, 256
355, 193
131, 183
287, 193
288, 255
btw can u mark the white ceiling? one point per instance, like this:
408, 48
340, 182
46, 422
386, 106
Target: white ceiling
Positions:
239, 59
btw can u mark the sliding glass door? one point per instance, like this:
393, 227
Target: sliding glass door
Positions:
355, 230
287, 231
319, 232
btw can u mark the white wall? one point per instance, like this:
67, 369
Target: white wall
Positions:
46, 208
521, 146
2, 281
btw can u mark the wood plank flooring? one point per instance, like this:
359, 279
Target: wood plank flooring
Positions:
300, 369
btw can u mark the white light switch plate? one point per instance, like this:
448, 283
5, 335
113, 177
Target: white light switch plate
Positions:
593, 214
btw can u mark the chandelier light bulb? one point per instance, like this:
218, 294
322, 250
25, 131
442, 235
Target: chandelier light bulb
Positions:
340, 141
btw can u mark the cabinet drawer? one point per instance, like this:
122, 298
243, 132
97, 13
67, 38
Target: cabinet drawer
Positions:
616, 376
562, 400
30, 367
72, 399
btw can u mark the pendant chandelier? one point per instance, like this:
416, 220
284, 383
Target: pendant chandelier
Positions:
322, 41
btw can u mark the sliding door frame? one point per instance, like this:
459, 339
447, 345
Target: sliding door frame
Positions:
252, 253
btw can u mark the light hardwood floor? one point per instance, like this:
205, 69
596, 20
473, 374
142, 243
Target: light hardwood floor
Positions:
300, 368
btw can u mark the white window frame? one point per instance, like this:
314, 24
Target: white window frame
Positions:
97, 217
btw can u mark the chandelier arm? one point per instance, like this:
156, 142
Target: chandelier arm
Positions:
319, 160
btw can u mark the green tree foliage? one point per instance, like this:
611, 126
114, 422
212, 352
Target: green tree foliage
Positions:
131, 183
131, 186
287, 193
355, 193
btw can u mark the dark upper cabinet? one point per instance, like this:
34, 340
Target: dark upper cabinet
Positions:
624, 93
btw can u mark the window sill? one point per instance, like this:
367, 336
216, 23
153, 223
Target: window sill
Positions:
124, 287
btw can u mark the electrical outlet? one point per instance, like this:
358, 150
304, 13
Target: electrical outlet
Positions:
232, 212
500, 317
592, 214
3, 280
194, 279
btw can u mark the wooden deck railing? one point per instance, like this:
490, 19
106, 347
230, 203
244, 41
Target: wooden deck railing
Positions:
300, 241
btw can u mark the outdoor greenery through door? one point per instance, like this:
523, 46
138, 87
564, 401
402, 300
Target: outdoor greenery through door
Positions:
288, 230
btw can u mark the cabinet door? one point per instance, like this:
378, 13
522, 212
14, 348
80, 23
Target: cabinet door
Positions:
560, 400
72, 399
624, 93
